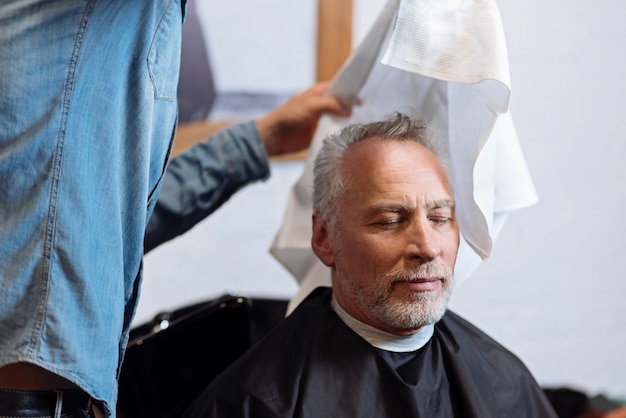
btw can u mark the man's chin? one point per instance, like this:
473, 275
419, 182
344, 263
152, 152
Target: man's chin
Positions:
429, 308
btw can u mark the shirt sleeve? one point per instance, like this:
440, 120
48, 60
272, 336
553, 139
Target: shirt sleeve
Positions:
200, 180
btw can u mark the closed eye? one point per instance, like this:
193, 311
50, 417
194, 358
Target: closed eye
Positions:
441, 213
390, 221
439, 220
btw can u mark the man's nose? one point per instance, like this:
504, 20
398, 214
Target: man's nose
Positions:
423, 242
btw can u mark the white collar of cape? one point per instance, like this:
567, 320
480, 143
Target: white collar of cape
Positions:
385, 340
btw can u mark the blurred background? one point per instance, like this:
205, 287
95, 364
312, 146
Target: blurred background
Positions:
554, 289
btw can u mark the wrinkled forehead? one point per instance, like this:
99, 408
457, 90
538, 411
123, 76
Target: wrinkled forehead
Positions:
379, 162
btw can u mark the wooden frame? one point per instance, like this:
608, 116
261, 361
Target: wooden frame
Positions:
334, 37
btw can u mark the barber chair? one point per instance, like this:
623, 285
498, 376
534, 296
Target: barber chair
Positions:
170, 360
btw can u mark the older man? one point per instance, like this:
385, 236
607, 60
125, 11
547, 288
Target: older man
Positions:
380, 343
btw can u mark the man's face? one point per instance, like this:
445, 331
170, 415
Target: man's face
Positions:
393, 253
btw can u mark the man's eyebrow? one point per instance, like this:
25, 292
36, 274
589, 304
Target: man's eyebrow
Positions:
390, 207
441, 204
397, 207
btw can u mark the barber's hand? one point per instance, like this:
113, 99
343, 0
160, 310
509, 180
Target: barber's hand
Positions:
290, 127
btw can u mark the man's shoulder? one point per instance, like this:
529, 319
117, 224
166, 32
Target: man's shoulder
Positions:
476, 347
466, 339
457, 326
479, 362
289, 339
267, 374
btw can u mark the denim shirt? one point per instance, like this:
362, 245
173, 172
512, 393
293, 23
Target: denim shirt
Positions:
200, 180
87, 117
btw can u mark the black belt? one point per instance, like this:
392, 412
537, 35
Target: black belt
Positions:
15, 402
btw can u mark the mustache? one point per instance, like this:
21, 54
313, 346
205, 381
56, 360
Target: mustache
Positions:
430, 270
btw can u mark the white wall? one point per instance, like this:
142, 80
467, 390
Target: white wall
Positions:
261, 45
554, 291
269, 46
554, 288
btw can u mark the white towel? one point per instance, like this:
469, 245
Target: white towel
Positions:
446, 63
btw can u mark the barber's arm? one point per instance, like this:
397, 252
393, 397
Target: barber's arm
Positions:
201, 179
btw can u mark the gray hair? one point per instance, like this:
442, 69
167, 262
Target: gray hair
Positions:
328, 184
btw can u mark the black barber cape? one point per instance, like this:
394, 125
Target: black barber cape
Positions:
313, 365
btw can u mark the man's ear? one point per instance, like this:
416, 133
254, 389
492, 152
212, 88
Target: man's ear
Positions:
320, 242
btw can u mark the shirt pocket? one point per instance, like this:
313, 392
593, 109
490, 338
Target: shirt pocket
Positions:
165, 50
